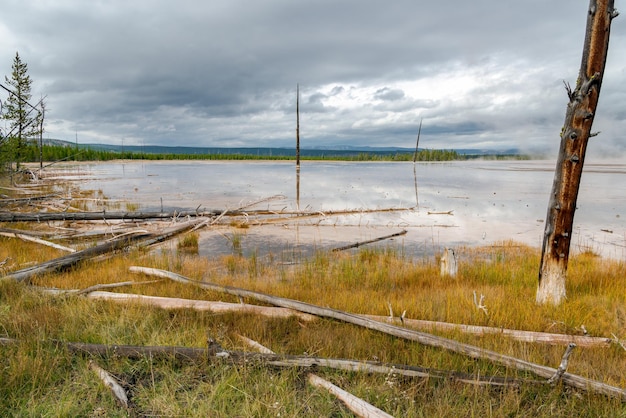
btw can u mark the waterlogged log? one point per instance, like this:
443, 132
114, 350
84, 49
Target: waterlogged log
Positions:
358, 244
98, 216
412, 335
199, 305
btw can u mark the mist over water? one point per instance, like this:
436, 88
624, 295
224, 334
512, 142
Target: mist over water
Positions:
445, 204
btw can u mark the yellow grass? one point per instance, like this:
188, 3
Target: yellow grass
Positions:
361, 281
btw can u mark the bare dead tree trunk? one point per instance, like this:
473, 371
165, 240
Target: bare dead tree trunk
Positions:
574, 137
298, 146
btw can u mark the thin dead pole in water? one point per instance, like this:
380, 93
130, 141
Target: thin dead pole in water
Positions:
298, 147
417, 143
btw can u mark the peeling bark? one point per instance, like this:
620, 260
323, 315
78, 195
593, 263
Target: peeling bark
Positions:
575, 134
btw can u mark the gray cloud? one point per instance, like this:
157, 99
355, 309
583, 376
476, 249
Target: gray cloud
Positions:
481, 73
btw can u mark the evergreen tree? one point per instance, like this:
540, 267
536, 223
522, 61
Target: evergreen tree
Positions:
23, 117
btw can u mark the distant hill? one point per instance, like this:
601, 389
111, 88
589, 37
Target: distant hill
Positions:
339, 150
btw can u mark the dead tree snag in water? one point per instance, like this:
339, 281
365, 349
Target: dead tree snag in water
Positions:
298, 147
575, 134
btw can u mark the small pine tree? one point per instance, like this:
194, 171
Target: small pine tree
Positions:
23, 118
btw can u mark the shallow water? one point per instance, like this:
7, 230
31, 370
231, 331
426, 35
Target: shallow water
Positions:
446, 204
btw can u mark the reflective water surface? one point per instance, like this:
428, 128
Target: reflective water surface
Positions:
439, 204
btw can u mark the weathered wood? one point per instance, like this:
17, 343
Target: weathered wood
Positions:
275, 360
107, 247
199, 305
26, 200
357, 405
518, 335
110, 382
40, 241
298, 146
563, 366
71, 259
256, 345
97, 216
412, 335
575, 134
448, 263
358, 244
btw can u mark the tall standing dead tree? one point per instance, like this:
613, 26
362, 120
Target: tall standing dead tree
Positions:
298, 146
575, 134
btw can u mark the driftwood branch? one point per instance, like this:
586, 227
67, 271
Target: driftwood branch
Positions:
93, 288
356, 405
421, 337
563, 366
111, 383
358, 244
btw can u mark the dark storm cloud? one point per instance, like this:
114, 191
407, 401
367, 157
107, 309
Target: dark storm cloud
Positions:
224, 72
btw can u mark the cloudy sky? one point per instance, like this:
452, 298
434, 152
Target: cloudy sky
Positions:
480, 73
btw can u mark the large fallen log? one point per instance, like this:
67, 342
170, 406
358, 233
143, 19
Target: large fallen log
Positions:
276, 360
199, 305
98, 216
104, 215
412, 335
518, 335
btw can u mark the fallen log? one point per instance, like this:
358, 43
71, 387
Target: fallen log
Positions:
25, 232
69, 260
358, 244
93, 288
357, 405
276, 360
21, 200
518, 335
412, 335
199, 305
29, 238
98, 216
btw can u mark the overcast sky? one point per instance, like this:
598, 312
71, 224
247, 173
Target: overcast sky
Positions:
480, 73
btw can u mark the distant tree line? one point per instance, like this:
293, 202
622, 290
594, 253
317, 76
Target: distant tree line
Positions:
32, 153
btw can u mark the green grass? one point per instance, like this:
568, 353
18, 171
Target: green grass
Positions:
38, 378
